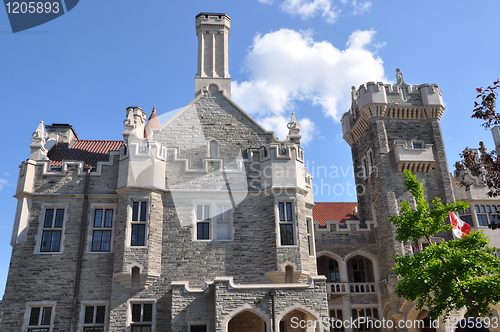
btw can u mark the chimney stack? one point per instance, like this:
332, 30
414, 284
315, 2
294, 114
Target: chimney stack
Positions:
212, 30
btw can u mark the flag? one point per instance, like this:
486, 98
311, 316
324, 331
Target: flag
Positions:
460, 227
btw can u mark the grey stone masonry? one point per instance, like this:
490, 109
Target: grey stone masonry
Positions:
392, 128
206, 197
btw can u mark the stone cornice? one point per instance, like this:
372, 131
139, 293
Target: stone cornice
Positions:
354, 127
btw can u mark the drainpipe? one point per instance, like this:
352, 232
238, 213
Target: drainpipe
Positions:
272, 292
81, 248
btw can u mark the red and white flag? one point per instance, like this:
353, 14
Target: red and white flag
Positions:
460, 227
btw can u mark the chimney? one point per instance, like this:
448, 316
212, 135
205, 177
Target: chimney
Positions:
212, 30
61, 134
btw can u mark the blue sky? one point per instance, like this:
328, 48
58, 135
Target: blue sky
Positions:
302, 56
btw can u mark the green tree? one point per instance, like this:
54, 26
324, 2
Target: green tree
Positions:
446, 275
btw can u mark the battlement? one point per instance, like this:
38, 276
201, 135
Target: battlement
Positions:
397, 94
397, 101
204, 20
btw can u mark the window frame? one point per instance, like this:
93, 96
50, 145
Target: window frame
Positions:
370, 163
485, 209
92, 228
84, 305
364, 165
468, 214
338, 315
131, 223
212, 220
478, 211
311, 241
42, 229
131, 323
286, 222
27, 315
359, 271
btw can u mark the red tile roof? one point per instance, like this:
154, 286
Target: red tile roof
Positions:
334, 211
89, 151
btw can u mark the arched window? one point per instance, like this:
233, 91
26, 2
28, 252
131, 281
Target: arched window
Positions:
288, 274
136, 278
213, 147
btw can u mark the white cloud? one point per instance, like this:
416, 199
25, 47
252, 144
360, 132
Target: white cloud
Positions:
3, 182
329, 10
286, 66
307, 9
361, 7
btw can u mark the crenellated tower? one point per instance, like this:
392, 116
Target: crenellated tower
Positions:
391, 128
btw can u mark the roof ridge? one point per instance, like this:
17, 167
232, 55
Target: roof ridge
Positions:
99, 140
335, 202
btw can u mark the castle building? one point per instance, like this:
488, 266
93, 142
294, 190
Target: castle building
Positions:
198, 220
201, 220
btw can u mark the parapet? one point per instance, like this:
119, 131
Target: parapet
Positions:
397, 101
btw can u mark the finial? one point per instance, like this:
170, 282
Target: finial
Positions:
293, 126
154, 109
39, 132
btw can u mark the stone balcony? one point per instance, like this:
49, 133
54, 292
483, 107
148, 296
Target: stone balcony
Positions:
340, 288
416, 157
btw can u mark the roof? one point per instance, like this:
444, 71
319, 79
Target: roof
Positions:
334, 211
88, 151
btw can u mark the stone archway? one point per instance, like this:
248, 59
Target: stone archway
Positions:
298, 321
246, 321
427, 324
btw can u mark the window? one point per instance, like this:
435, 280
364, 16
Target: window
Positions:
223, 222
333, 271
102, 230
52, 230
142, 317
285, 211
310, 237
40, 317
364, 171
213, 227
198, 328
358, 269
213, 147
368, 312
138, 225
486, 214
202, 222
94, 318
338, 319
466, 216
288, 274
418, 145
370, 165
